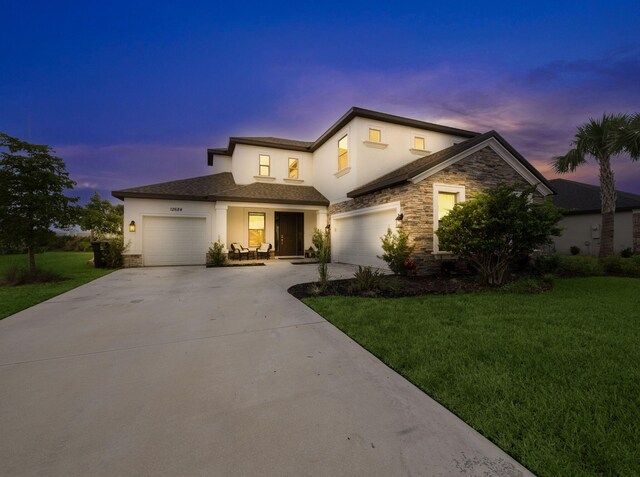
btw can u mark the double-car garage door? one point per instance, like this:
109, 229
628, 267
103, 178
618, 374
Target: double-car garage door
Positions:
174, 241
356, 238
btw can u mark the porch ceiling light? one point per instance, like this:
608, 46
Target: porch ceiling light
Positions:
399, 219
132, 226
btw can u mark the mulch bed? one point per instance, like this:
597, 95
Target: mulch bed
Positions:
391, 286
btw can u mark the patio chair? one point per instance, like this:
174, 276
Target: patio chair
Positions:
239, 251
264, 250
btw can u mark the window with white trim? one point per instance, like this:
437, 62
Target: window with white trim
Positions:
419, 143
445, 197
256, 228
375, 135
265, 165
343, 152
294, 171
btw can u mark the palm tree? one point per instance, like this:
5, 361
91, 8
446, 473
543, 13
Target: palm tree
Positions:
601, 139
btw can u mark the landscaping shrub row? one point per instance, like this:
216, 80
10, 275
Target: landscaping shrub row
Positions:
584, 266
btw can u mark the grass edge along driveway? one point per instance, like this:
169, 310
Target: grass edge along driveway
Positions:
72, 265
553, 378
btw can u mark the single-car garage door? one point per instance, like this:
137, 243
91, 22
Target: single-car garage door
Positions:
356, 239
174, 241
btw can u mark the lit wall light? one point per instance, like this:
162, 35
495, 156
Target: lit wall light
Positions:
399, 219
132, 226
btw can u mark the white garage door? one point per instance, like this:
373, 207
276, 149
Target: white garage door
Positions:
174, 241
356, 239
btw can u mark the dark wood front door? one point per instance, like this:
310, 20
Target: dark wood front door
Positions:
289, 233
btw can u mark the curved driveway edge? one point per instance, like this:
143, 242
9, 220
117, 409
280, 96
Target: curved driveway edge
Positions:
188, 371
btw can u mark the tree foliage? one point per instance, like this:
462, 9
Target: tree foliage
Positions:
101, 217
396, 250
601, 139
496, 228
32, 194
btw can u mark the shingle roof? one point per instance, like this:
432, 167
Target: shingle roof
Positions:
580, 198
222, 187
423, 164
295, 145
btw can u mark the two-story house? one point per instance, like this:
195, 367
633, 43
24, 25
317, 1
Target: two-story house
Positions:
368, 172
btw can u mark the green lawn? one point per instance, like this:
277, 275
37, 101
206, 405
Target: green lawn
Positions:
553, 379
72, 265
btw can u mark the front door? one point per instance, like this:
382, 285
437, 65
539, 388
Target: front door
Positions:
289, 233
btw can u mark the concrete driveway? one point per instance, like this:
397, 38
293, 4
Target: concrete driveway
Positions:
189, 371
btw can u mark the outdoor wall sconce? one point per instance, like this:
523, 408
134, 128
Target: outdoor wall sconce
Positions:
132, 226
399, 219
328, 228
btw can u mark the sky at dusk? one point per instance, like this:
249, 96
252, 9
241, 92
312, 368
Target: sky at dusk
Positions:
133, 93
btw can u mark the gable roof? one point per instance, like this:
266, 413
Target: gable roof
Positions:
579, 198
221, 186
424, 164
306, 146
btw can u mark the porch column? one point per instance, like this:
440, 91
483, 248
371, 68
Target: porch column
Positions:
221, 225
321, 219
636, 230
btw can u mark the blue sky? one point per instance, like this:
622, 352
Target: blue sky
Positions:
132, 93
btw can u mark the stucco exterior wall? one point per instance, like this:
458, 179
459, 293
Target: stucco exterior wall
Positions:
583, 231
245, 161
481, 170
374, 161
137, 209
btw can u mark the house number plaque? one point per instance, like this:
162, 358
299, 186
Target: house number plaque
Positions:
175, 209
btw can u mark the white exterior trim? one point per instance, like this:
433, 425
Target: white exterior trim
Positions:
367, 210
501, 151
437, 188
270, 205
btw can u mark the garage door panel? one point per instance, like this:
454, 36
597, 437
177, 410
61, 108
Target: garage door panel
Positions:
174, 241
356, 239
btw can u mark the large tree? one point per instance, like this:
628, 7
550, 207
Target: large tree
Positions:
101, 217
32, 194
601, 139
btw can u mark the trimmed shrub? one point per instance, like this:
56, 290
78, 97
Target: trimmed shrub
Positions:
321, 241
544, 264
579, 266
575, 250
627, 252
215, 255
397, 251
627, 267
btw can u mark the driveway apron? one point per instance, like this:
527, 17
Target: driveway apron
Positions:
188, 371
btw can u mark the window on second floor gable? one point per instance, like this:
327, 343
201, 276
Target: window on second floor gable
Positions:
343, 152
293, 168
375, 135
265, 165
419, 143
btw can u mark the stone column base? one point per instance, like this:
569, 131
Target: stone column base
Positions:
132, 261
636, 230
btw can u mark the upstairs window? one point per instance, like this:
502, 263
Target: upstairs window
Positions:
293, 168
265, 165
343, 152
256, 228
375, 135
419, 143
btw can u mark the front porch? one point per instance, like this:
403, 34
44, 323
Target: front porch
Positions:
287, 227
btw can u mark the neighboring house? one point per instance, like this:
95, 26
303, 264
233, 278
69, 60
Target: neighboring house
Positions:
361, 175
582, 219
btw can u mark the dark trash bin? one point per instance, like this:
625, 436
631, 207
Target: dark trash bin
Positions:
99, 249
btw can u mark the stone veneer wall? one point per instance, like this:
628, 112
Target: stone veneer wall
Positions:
132, 261
481, 170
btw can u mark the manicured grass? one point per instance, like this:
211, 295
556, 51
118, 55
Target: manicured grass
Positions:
72, 265
553, 378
